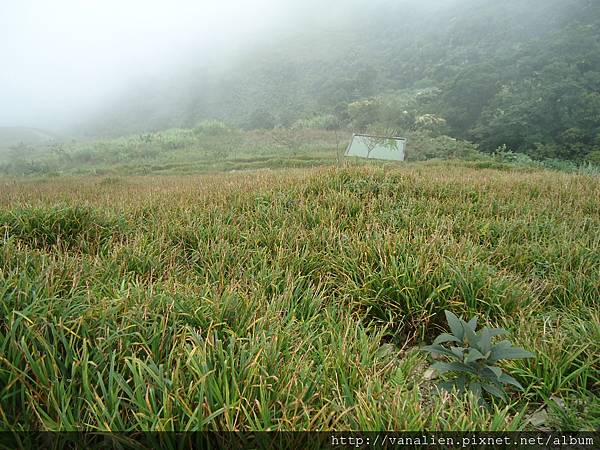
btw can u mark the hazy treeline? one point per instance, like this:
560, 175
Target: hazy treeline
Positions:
525, 74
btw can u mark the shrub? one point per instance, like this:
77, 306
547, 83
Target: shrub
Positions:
212, 128
472, 365
423, 145
260, 119
504, 154
323, 122
594, 157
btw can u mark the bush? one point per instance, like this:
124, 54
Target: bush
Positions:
594, 157
212, 128
473, 362
423, 146
260, 119
363, 113
322, 122
504, 154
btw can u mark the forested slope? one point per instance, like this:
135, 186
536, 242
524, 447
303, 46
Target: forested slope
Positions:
521, 73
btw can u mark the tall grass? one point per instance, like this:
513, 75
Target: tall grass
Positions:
292, 299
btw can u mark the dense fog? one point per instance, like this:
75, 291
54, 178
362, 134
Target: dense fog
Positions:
520, 74
66, 58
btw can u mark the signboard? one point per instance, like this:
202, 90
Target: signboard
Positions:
377, 147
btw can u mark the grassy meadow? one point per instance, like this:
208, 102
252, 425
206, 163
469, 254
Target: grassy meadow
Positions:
294, 299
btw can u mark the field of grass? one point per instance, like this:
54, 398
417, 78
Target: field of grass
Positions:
293, 299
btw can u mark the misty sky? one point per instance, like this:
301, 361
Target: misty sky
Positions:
62, 58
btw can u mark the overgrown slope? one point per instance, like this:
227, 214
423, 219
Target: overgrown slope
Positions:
521, 73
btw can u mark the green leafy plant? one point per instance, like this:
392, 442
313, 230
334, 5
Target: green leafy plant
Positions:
472, 360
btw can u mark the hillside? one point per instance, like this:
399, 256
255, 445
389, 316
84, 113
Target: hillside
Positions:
515, 73
11, 136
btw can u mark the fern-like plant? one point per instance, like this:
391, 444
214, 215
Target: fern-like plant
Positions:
473, 358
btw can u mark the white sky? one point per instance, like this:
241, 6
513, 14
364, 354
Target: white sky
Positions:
61, 60
58, 58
